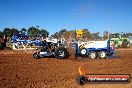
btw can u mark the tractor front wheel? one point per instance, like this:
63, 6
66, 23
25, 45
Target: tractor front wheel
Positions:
36, 56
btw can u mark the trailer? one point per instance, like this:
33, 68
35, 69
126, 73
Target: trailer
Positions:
93, 49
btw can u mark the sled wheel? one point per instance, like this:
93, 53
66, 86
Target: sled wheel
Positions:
83, 51
102, 55
92, 55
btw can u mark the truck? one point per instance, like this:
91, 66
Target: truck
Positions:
92, 49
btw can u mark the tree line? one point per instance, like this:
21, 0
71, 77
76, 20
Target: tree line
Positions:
87, 34
70, 34
33, 31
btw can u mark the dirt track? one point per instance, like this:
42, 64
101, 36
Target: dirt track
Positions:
19, 70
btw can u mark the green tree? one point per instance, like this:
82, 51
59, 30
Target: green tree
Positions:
56, 35
11, 31
23, 30
86, 34
1, 34
6, 30
96, 35
126, 35
44, 32
67, 34
105, 35
33, 31
62, 32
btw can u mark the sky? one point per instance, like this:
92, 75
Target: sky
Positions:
54, 15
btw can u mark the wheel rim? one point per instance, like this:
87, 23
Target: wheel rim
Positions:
61, 53
103, 54
35, 55
93, 55
83, 51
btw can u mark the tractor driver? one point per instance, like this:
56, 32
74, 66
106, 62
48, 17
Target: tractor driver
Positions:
44, 44
46, 47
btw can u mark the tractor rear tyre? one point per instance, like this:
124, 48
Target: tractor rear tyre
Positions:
2, 46
92, 55
102, 55
60, 53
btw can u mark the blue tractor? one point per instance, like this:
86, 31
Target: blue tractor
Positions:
52, 47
